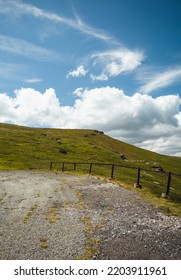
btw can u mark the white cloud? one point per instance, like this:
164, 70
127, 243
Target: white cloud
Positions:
160, 80
18, 8
24, 48
32, 108
12, 71
116, 62
152, 123
101, 77
33, 80
78, 92
110, 64
79, 72
7, 109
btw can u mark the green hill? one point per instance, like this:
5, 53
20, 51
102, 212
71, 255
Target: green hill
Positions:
34, 148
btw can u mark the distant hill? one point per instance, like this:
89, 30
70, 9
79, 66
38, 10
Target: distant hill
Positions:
34, 148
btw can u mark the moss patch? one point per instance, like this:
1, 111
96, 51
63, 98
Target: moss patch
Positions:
30, 213
91, 248
52, 215
43, 242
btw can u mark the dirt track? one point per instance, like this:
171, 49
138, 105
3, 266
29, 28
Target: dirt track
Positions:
49, 216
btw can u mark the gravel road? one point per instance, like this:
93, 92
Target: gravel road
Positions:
62, 216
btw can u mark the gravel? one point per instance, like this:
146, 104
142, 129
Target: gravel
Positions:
61, 216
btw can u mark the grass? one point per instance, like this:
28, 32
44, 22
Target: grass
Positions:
91, 243
23, 148
43, 242
52, 215
30, 213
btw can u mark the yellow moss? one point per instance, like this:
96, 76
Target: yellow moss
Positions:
88, 227
90, 249
51, 215
80, 204
89, 252
43, 245
66, 205
30, 213
10, 208
91, 241
43, 239
85, 219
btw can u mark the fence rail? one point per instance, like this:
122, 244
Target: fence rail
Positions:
112, 171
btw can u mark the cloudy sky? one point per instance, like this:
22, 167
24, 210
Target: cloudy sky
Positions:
111, 65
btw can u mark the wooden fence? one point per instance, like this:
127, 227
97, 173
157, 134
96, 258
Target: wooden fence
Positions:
112, 169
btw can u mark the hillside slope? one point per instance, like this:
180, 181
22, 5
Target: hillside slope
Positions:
23, 148
29, 148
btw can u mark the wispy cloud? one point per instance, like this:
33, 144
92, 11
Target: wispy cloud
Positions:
160, 80
79, 72
24, 48
116, 62
107, 64
13, 72
101, 77
19, 8
97, 33
33, 80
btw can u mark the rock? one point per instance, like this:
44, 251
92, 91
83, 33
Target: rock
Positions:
157, 167
63, 151
137, 186
122, 156
160, 169
164, 195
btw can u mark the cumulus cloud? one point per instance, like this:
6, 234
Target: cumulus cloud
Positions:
32, 108
160, 80
152, 123
116, 62
79, 72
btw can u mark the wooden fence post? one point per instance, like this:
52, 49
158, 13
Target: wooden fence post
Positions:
112, 171
90, 169
168, 183
51, 163
138, 176
63, 167
74, 166
138, 185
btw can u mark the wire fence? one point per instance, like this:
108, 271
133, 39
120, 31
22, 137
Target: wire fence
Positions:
159, 182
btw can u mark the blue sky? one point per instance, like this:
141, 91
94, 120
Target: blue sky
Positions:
111, 65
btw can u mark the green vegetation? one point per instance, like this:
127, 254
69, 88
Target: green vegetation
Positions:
23, 148
43, 243
52, 215
30, 213
91, 243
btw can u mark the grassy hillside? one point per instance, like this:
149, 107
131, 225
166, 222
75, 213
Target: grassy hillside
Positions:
34, 148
